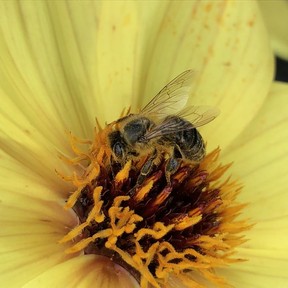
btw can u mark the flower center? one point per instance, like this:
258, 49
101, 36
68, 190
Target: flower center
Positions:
152, 224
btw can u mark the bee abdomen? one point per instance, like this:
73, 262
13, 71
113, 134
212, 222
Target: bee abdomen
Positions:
191, 145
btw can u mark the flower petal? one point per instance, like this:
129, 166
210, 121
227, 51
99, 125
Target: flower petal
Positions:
260, 154
39, 93
35, 72
30, 229
275, 14
66, 62
32, 173
226, 43
264, 269
85, 271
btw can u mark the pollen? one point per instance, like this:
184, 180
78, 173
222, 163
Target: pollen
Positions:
156, 227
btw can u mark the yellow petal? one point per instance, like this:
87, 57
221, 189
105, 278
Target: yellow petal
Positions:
260, 157
264, 268
66, 62
42, 89
84, 271
30, 170
116, 57
275, 14
48, 57
30, 229
260, 154
32, 217
225, 42
37, 73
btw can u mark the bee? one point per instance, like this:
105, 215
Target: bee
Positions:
163, 128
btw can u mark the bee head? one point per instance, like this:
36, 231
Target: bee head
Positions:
118, 145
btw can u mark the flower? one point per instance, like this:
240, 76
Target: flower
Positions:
64, 63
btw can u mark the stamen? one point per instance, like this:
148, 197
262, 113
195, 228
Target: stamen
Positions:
157, 226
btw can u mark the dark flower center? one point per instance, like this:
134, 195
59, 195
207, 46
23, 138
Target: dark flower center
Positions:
154, 226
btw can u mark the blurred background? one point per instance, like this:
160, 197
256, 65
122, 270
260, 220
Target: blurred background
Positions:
281, 69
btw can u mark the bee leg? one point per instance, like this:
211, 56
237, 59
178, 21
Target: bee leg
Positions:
171, 167
146, 169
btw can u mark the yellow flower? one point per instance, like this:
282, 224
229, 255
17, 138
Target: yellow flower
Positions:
65, 63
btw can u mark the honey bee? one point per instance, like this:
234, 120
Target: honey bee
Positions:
163, 127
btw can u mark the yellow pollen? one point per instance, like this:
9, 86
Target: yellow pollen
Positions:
185, 222
158, 231
140, 195
73, 198
123, 174
81, 183
83, 243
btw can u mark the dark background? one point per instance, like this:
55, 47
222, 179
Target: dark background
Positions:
281, 70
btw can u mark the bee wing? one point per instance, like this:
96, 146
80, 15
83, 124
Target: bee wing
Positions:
195, 116
172, 98
199, 115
